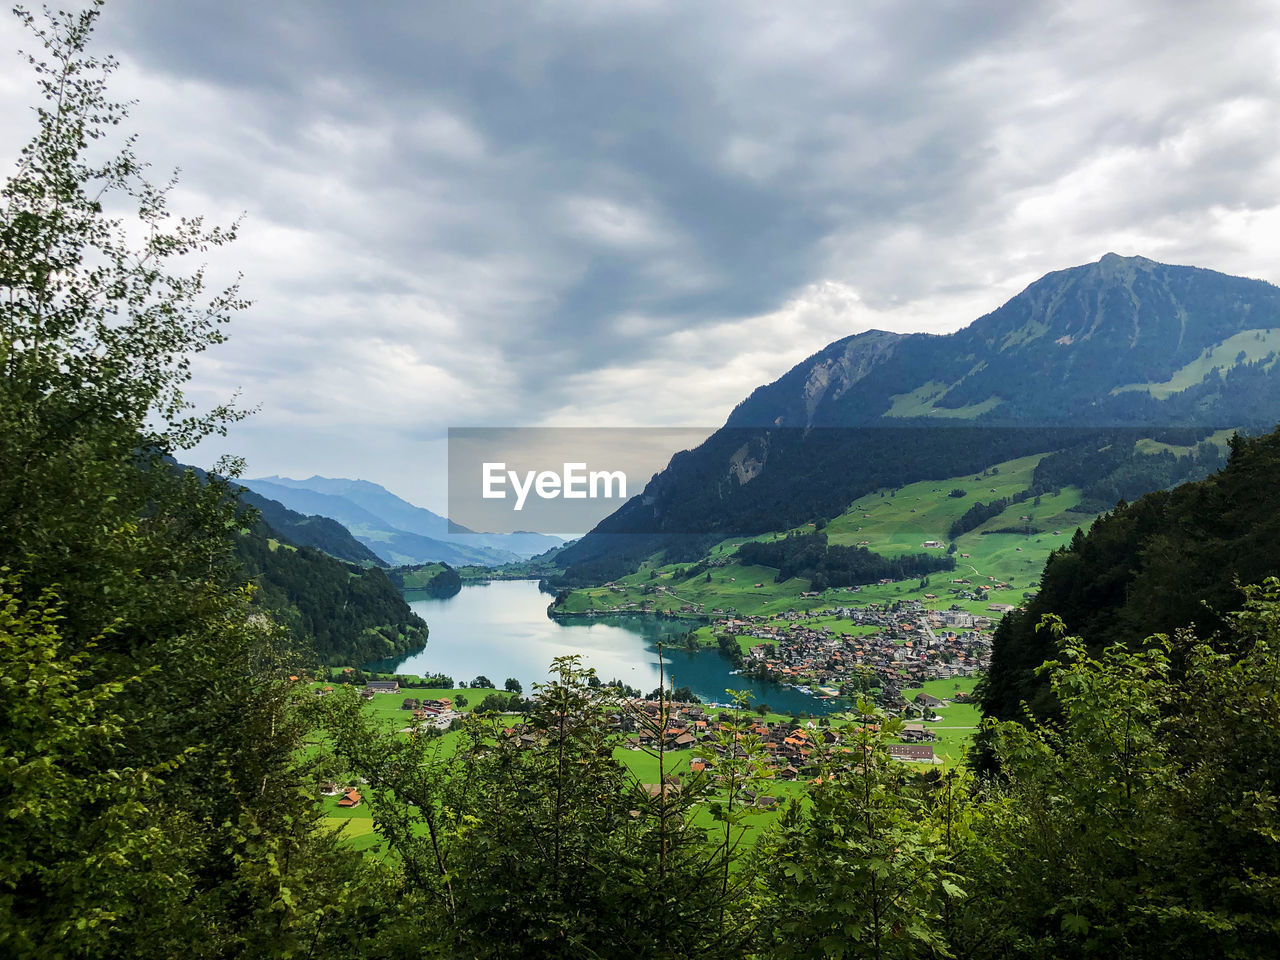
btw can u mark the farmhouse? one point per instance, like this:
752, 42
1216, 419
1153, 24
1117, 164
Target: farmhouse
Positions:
915, 752
382, 686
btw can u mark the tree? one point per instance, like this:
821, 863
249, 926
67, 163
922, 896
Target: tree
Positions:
171, 820
481, 683
1151, 795
592, 865
866, 871
460, 701
513, 686
495, 703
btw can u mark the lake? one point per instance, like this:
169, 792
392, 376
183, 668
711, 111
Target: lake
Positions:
501, 629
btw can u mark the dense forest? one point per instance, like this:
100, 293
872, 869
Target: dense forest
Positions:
161, 760
1168, 560
1112, 467
809, 557
345, 614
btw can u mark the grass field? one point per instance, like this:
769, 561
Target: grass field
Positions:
356, 823
959, 720
1254, 344
891, 522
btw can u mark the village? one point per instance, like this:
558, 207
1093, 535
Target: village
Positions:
879, 650
877, 647
786, 749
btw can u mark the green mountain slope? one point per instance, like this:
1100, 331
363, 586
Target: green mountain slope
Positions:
346, 614
1000, 524
323, 533
1059, 362
1170, 559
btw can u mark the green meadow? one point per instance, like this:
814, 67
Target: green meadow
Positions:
1010, 548
1247, 346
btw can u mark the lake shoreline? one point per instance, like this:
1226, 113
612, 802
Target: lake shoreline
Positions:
507, 630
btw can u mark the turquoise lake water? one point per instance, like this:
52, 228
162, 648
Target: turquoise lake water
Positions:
501, 629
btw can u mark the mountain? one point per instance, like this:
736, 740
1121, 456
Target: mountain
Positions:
322, 533
1169, 560
1123, 342
325, 587
398, 531
346, 614
1119, 340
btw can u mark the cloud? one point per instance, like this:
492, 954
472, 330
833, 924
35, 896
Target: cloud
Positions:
569, 212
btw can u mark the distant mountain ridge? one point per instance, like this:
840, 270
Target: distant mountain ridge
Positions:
1125, 341
397, 531
302, 530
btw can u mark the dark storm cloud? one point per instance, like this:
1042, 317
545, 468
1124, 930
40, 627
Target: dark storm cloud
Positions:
657, 110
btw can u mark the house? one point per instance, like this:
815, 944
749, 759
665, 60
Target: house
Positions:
411, 703
916, 733
382, 686
350, 799
925, 700
671, 787
913, 752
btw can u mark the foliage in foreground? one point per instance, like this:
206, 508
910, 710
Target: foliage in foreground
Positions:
149, 803
1139, 824
154, 802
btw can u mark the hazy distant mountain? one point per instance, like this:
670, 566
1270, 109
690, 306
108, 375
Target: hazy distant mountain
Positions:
1124, 341
398, 531
321, 532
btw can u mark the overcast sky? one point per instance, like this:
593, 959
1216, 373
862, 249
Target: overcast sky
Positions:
582, 213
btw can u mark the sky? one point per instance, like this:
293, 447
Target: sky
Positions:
632, 214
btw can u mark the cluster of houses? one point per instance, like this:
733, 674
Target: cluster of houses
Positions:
906, 646
789, 747
439, 713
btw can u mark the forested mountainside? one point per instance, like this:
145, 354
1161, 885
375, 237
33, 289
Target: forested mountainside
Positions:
1124, 342
320, 582
1171, 559
345, 614
323, 533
